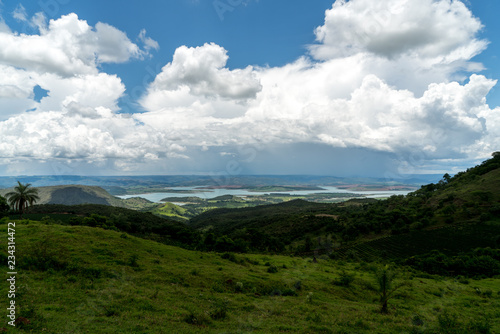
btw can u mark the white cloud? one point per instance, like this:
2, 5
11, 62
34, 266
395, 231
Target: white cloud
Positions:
3, 26
79, 133
392, 97
20, 13
149, 43
113, 45
438, 30
77, 119
389, 87
67, 47
202, 70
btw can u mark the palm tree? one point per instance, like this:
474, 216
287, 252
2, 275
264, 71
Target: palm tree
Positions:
22, 197
386, 288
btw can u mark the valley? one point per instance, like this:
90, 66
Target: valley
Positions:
263, 262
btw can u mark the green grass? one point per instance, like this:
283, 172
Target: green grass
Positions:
172, 211
111, 282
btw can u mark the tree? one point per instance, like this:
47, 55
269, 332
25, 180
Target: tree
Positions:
4, 207
446, 178
386, 289
22, 197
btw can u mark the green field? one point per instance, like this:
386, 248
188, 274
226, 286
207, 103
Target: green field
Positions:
74, 279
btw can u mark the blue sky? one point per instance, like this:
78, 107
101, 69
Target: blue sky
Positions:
348, 88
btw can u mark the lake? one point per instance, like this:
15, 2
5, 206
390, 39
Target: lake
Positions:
212, 193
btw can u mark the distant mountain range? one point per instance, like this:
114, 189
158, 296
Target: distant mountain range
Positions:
119, 185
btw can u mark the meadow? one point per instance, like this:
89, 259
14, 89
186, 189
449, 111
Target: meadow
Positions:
79, 279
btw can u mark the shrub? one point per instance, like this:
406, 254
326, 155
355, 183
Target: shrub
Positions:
132, 261
196, 318
417, 320
482, 326
345, 279
289, 292
276, 292
448, 323
229, 256
488, 293
220, 310
272, 269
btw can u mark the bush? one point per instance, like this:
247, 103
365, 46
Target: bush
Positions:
488, 293
132, 261
229, 256
417, 320
196, 318
220, 310
482, 326
448, 323
272, 269
276, 292
345, 279
289, 292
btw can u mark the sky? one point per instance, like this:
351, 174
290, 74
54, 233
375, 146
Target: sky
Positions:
237, 87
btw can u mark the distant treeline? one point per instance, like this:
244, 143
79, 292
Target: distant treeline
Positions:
142, 224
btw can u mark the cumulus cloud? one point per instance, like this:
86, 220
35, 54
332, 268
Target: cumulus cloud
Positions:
77, 118
376, 80
391, 88
67, 47
63, 59
202, 70
81, 133
440, 30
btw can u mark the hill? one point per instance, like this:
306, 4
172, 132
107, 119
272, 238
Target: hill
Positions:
79, 279
78, 194
300, 227
142, 224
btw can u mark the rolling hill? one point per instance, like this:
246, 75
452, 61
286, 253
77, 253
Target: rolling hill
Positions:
79, 279
78, 194
106, 269
470, 197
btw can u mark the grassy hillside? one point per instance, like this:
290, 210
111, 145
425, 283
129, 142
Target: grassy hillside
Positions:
78, 194
76, 279
171, 210
470, 195
142, 224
